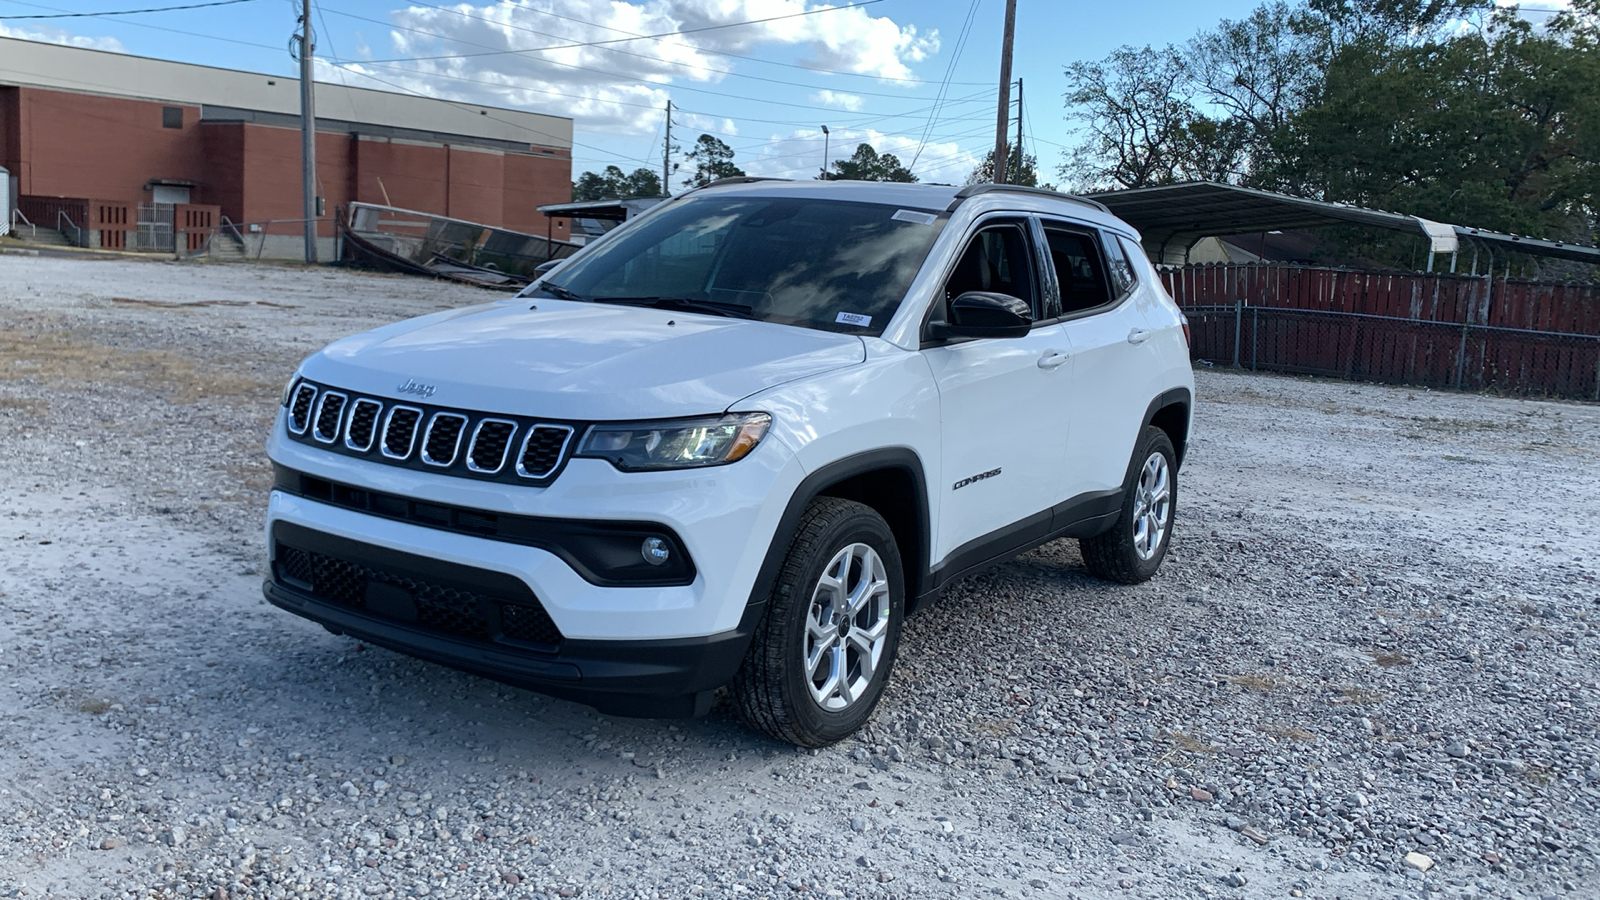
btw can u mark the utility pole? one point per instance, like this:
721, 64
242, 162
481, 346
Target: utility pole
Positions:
1020, 151
666, 156
1003, 119
308, 132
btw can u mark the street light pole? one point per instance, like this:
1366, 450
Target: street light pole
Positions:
825, 138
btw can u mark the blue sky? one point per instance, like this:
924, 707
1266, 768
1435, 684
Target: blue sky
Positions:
872, 73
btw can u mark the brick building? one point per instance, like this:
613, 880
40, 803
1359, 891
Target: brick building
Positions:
88, 136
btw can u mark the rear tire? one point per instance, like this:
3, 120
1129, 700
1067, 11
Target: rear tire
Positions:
820, 658
1133, 549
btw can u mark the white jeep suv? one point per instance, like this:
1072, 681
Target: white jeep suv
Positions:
735, 443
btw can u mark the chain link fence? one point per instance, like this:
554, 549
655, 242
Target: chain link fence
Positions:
1366, 347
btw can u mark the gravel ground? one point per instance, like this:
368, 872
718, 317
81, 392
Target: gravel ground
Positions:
1374, 636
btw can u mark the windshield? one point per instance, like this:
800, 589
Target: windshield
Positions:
825, 264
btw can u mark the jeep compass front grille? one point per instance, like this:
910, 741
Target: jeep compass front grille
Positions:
424, 604
448, 441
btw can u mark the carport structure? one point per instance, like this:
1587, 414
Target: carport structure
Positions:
1172, 217
1485, 330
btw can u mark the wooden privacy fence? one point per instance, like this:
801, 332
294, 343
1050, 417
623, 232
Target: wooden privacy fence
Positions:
1459, 331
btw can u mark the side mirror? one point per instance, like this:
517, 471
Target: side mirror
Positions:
984, 314
544, 267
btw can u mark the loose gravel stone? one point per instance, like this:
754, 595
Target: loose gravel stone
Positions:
1361, 577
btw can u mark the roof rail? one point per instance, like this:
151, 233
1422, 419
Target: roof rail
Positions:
973, 190
737, 179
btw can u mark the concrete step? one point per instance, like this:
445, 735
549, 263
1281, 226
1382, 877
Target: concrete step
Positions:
43, 237
227, 250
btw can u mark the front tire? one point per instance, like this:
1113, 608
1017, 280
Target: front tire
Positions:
819, 660
1133, 549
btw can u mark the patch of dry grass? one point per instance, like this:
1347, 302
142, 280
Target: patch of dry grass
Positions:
55, 359
1388, 659
1351, 695
31, 407
1258, 684
1290, 733
1189, 744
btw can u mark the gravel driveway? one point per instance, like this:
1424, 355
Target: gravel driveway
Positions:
1375, 636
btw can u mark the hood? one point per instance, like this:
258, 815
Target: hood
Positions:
580, 361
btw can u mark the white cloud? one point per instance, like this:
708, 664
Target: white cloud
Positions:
615, 87
799, 154
851, 102
52, 35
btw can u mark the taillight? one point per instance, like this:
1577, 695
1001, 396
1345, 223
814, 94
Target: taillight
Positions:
1184, 321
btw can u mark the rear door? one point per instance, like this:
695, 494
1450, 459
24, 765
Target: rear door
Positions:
1002, 401
1110, 376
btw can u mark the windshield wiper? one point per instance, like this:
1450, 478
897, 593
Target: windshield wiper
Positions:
710, 307
559, 292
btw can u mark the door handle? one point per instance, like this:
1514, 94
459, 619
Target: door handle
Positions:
1053, 358
1138, 335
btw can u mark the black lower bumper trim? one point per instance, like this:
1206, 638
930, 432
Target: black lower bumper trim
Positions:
654, 679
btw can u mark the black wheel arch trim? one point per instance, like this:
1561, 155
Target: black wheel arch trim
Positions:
817, 483
1179, 396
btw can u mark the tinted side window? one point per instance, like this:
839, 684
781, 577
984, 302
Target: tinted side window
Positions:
996, 260
1079, 270
1121, 268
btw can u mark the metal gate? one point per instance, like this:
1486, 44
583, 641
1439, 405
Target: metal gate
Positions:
154, 233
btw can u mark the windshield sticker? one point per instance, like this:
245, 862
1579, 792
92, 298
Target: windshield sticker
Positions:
855, 319
914, 217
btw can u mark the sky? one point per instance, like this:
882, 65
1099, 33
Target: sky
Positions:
917, 78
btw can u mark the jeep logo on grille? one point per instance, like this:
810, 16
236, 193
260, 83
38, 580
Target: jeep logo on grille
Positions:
413, 386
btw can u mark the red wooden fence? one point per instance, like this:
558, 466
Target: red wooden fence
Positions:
1462, 331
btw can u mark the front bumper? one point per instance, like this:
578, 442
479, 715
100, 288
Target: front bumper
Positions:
463, 617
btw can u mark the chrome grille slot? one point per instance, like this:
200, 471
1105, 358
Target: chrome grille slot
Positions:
363, 428
477, 444
300, 408
443, 440
491, 442
400, 431
330, 415
542, 450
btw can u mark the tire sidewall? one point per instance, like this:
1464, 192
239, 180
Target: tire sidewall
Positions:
1154, 441
864, 527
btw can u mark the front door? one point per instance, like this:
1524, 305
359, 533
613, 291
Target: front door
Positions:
1004, 415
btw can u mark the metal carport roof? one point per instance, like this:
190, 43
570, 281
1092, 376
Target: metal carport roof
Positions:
1171, 218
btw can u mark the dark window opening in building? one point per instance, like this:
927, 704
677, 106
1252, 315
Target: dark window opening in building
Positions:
171, 117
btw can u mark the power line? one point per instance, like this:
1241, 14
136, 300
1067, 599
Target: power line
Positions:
809, 12
469, 107
644, 56
983, 96
621, 76
210, 37
950, 70
127, 12
725, 53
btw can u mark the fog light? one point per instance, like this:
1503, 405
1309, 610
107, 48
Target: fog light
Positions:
655, 551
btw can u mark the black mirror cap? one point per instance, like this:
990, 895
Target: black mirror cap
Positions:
544, 267
984, 314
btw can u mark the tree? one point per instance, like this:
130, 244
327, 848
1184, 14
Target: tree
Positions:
712, 160
612, 184
1446, 109
867, 165
1143, 127
1021, 168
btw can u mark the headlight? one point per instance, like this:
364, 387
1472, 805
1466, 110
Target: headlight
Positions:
676, 443
288, 389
